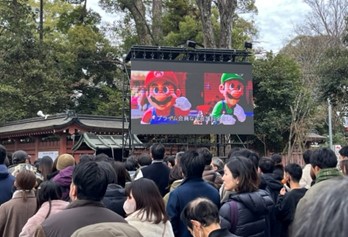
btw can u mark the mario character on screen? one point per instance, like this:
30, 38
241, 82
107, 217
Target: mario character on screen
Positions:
228, 111
164, 97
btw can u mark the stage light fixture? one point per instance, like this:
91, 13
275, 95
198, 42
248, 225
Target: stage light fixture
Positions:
248, 45
191, 44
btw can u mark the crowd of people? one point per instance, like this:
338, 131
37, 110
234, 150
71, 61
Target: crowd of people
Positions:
189, 194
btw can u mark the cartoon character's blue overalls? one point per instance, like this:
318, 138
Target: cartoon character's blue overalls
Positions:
224, 109
163, 119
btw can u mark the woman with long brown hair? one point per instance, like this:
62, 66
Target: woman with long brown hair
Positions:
145, 209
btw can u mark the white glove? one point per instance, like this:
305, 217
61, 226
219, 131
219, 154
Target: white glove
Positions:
182, 103
239, 113
226, 119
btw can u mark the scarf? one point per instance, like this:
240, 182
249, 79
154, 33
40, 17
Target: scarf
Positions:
327, 173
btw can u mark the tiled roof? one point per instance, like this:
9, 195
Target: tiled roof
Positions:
62, 121
315, 137
95, 141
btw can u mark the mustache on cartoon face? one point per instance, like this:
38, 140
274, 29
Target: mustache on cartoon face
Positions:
232, 97
164, 102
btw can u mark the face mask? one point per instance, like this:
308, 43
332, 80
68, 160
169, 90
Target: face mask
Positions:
129, 206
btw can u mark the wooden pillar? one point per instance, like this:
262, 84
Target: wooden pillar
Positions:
37, 141
16, 143
62, 144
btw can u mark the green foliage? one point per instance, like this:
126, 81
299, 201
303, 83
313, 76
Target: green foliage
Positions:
333, 84
188, 29
111, 104
180, 22
276, 84
28, 80
78, 16
333, 74
176, 11
242, 31
49, 75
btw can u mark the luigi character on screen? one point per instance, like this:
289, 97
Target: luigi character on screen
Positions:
228, 111
164, 97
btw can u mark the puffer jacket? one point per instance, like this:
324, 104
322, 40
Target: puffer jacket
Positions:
114, 199
252, 216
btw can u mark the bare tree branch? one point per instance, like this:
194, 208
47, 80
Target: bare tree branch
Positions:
326, 18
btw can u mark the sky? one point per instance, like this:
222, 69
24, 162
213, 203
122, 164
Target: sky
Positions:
275, 21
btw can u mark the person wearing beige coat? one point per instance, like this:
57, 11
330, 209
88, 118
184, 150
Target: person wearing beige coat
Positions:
16, 212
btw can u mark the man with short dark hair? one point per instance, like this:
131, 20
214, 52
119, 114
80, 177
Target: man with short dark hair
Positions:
6, 179
201, 216
89, 183
323, 167
191, 188
273, 187
278, 171
209, 174
287, 202
144, 160
158, 171
268, 182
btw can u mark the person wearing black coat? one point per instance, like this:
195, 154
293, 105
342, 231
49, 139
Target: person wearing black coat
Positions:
247, 211
287, 202
114, 199
158, 171
273, 187
278, 171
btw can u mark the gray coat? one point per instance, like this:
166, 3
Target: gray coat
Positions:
78, 214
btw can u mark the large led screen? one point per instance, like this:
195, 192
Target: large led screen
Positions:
191, 98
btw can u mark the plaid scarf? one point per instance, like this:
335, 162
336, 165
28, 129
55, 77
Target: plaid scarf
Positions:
327, 173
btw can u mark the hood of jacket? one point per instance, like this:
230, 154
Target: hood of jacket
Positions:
114, 191
258, 202
272, 183
4, 172
209, 174
64, 177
